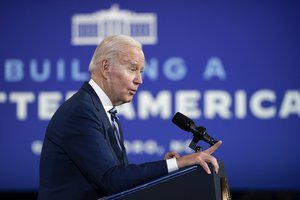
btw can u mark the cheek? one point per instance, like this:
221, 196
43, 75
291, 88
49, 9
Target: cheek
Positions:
124, 80
120, 84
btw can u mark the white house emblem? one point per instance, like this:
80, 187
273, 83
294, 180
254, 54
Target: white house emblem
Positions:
91, 29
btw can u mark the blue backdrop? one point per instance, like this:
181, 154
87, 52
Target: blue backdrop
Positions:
232, 66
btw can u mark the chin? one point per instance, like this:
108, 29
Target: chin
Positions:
129, 99
125, 101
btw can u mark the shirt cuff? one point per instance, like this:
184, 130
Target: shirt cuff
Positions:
172, 165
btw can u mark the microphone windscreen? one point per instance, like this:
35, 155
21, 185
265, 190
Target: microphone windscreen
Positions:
182, 121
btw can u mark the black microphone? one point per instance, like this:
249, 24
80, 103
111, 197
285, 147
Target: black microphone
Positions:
187, 124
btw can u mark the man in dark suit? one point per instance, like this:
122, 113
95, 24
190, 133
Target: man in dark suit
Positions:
83, 155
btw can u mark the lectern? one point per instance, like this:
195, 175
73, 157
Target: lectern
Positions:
188, 183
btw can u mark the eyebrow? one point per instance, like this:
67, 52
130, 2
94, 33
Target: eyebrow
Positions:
133, 64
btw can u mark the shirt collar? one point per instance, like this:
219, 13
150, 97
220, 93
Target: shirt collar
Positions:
106, 102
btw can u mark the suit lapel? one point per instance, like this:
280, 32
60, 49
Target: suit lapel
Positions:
109, 134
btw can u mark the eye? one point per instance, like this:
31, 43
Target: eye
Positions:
132, 68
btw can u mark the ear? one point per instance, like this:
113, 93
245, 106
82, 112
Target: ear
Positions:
104, 68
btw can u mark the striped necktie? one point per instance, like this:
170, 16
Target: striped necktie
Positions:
115, 124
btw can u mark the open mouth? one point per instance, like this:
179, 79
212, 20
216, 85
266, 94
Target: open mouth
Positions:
132, 92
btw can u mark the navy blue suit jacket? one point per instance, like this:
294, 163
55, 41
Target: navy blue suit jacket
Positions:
80, 158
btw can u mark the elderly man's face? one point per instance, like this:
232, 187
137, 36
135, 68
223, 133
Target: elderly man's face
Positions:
125, 75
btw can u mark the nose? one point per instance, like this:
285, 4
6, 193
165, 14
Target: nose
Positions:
138, 78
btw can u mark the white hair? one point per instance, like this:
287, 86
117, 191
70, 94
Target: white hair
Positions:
109, 49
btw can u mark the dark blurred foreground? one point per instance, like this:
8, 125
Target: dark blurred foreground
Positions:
236, 195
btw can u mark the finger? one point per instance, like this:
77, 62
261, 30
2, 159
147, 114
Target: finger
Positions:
210, 159
213, 148
176, 155
204, 165
215, 163
172, 154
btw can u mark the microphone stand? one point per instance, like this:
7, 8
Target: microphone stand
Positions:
193, 145
196, 137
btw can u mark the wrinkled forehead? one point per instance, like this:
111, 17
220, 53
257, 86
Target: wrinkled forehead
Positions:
131, 54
